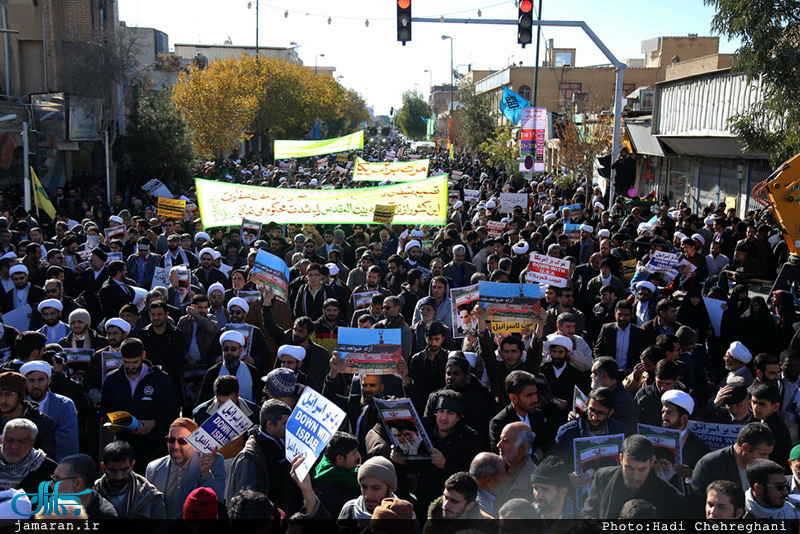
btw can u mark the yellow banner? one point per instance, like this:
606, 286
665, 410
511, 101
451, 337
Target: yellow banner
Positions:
225, 204
394, 171
171, 207
304, 149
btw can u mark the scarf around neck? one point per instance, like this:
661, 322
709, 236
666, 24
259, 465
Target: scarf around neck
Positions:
787, 511
12, 474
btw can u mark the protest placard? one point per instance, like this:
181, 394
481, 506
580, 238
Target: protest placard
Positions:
384, 213
340, 169
248, 296
310, 427
363, 299
472, 194
715, 311
628, 270
117, 232
573, 231
509, 200
462, 301
160, 276
453, 196
495, 228
78, 356
715, 435
369, 351
251, 230
223, 426
247, 331
171, 207
156, 188
509, 307
114, 256
110, 360
590, 454
572, 208
668, 450
663, 262
404, 426
548, 270
395, 171
580, 401
19, 318
271, 272
343, 157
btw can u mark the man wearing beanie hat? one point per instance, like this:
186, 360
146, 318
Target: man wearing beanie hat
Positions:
201, 504
281, 384
13, 405
81, 335
59, 408
677, 408
550, 490
378, 480
393, 516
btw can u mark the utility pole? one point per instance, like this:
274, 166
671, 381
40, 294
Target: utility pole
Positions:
536, 65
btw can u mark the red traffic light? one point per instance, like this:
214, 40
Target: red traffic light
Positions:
526, 6
405, 4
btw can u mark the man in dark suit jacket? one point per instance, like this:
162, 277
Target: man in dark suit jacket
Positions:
523, 392
459, 270
614, 486
754, 441
90, 283
117, 291
562, 376
606, 344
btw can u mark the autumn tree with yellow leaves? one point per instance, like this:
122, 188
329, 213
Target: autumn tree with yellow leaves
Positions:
232, 99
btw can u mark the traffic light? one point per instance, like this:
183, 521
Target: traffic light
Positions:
525, 23
403, 21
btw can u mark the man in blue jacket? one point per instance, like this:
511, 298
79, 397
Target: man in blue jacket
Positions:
145, 391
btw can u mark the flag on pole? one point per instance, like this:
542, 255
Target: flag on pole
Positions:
40, 197
511, 105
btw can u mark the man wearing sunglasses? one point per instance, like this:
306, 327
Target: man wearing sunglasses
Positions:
766, 497
184, 469
232, 344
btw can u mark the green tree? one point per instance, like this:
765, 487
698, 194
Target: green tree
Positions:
581, 143
502, 149
161, 146
476, 123
410, 118
354, 114
769, 31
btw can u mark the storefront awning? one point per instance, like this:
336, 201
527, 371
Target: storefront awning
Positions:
643, 142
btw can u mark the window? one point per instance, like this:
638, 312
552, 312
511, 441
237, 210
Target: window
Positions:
570, 89
647, 99
563, 59
525, 92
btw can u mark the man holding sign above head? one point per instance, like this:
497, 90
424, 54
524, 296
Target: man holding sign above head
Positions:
185, 469
232, 343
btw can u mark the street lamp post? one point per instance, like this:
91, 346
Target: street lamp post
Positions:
315, 62
444, 37
430, 84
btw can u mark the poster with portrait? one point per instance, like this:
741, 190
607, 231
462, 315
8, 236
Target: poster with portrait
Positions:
667, 445
405, 429
590, 454
510, 307
247, 331
462, 303
250, 232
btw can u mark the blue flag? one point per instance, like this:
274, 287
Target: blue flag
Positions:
511, 105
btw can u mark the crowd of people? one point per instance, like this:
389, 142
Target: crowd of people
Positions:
497, 407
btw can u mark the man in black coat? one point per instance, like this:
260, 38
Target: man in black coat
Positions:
90, 283
765, 403
523, 393
117, 291
649, 397
625, 172
754, 441
561, 376
23, 291
15, 406
633, 479
633, 338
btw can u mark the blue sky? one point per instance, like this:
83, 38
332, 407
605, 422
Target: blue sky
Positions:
371, 60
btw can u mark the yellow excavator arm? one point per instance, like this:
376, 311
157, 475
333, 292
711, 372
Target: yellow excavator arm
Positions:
782, 189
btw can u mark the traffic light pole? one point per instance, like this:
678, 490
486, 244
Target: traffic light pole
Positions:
617, 64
